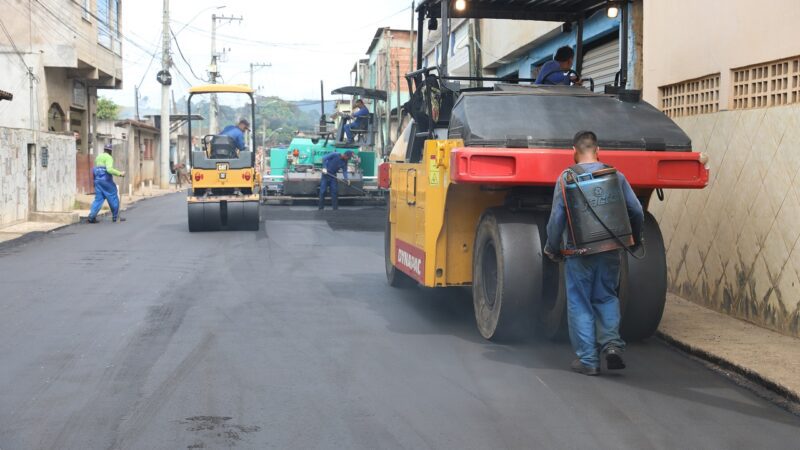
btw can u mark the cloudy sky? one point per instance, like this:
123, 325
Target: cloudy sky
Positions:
304, 40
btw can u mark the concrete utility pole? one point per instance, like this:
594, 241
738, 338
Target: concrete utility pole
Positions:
213, 71
388, 69
253, 66
165, 62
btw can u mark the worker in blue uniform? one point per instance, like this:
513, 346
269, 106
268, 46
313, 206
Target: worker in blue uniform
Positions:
105, 190
359, 120
557, 71
236, 132
593, 310
331, 165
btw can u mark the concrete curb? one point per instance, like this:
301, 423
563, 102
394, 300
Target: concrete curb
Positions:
777, 393
33, 235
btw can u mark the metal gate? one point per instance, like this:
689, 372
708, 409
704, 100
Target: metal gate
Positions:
601, 64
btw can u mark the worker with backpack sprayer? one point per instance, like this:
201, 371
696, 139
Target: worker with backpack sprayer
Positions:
596, 214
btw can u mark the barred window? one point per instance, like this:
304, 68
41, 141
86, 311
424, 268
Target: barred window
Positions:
691, 97
773, 83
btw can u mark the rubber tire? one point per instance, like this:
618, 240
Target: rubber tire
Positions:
243, 216
204, 217
645, 290
395, 277
506, 255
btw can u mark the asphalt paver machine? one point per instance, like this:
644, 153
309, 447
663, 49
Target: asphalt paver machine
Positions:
226, 186
471, 180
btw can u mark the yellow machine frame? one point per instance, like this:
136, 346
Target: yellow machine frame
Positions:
419, 217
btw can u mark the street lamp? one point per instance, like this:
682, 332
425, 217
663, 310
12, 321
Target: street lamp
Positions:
461, 5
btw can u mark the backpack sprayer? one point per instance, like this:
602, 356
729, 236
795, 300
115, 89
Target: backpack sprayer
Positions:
597, 215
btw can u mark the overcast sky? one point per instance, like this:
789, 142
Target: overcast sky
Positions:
305, 41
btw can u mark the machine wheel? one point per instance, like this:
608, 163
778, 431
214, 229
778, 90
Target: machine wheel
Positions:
204, 217
243, 215
643, 289
394, 277
506, 275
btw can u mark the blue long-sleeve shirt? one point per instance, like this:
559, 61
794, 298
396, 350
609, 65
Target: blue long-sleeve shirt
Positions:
552, 73
234, 132
358, 117
558, 215
333, 163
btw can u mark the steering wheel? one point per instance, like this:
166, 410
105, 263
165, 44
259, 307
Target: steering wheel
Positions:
567, 73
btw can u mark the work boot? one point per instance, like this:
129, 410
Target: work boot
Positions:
121, 219
578, 366
613, 357
91, 220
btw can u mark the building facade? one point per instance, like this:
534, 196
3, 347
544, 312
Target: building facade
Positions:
733, 84
62, 52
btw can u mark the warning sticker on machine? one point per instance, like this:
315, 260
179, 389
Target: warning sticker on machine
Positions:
433, 172
410, 260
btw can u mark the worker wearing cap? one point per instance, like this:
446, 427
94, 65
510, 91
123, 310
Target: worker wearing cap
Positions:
236, 132
592, 281
331, 165
104, 187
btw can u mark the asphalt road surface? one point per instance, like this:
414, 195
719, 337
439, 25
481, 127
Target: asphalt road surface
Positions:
140, 335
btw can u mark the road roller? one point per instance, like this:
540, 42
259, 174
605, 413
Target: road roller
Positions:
226, 186
471, 181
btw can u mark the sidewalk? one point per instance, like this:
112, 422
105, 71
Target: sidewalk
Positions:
766, 357
82, 204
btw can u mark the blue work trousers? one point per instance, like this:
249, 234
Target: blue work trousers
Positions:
592, 304
104, 190
326, 182
348, 132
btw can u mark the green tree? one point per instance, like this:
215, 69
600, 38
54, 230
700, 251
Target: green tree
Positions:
107, 109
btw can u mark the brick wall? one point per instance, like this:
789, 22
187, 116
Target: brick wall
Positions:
734, 245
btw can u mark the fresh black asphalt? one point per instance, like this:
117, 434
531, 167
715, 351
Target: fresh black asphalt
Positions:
141, 335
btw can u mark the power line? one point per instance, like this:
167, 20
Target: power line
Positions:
14, 46
180, 52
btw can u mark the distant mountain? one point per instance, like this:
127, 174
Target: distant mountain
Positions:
312, 106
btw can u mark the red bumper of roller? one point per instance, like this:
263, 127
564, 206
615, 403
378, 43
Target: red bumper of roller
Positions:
541, 167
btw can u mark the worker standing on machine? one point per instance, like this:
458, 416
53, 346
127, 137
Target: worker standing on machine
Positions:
592, 275
237, 133
331, 165
104, 187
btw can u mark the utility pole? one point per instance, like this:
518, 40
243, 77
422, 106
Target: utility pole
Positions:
399, 113
213, 70
388, 68
411, 38
256, 65
165, 83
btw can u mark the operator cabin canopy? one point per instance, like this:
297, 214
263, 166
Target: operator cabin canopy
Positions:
544, 10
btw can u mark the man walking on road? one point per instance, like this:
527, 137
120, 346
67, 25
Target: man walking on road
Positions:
592, 280
104, 187
331, 165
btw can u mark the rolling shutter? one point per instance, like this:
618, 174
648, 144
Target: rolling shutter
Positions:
601, 64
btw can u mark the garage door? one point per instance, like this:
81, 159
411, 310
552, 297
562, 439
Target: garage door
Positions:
601, 64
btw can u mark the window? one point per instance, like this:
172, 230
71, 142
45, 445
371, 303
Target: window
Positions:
108, 23
692, 97
768, 84
78, 93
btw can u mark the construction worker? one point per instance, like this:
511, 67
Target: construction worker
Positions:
556, 71
237, 133
359, 120
104, 187
592, 280
331, 165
